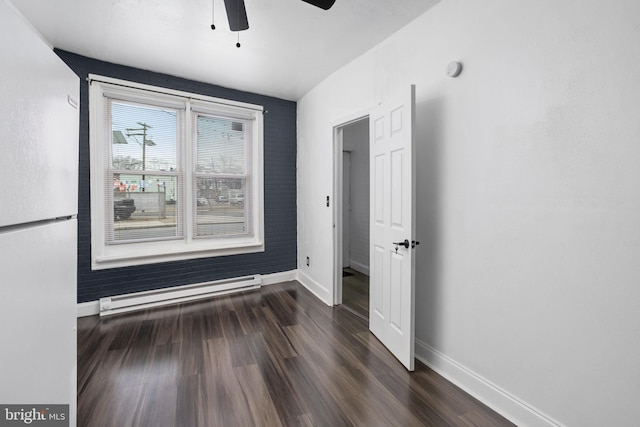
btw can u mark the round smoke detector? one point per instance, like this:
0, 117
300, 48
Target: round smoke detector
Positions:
454, 69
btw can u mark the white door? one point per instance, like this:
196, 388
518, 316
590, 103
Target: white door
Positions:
392, 273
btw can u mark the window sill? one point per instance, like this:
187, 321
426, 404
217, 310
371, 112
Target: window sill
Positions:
158, 252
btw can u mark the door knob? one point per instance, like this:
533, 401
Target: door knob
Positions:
405, 244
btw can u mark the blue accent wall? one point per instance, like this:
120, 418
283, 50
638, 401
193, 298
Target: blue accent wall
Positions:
279, 193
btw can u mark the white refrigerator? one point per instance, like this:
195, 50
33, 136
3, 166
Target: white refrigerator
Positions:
39, 97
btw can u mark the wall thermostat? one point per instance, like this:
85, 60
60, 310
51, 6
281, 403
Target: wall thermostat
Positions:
454, 69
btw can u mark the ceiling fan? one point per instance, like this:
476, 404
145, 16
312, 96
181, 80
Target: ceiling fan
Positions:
237, 13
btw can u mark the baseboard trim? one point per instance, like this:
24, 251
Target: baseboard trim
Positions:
364, 269
314, 287
493, 396
92, 308
284, 276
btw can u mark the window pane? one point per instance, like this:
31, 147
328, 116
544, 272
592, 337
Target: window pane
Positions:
220, 145
144, 208
220, 207
143, 137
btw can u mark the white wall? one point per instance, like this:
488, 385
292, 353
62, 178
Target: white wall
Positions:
356, 141
528, 275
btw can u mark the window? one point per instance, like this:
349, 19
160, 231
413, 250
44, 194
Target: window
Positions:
174, 175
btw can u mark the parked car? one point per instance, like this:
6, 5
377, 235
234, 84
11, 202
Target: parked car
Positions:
123, 208
236, 199
201, 201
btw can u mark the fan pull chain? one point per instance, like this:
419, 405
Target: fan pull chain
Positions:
213, 15
238, 43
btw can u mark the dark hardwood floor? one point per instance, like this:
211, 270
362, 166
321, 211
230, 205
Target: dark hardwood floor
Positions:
274, 357
355, 292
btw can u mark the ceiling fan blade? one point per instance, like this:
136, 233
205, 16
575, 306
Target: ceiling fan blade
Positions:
237, 15
322, 4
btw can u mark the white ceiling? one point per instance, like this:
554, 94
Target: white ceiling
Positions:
289, 48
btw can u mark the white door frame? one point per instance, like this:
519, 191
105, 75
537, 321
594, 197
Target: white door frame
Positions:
338, 148
346, 208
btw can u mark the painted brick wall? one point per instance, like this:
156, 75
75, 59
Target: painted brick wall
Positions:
279, 193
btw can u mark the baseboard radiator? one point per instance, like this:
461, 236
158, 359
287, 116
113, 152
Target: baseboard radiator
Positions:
160, 297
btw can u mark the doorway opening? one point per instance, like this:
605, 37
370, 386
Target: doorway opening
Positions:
351, 215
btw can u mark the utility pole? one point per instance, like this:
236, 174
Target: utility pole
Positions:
143, 128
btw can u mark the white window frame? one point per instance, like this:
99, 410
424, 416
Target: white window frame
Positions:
103, 255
